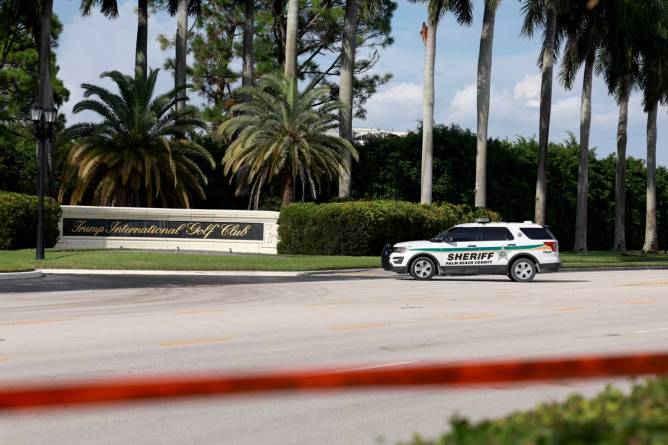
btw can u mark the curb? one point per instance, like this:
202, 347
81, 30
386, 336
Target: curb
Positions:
610, 269
220, 273
21, 275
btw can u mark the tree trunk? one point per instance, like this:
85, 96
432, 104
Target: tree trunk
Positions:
247, 78
651, 241
288, 190
346, 92
426, 175
620, 177
291, 38
142, 39
45, 92
181, 53
545, 109
484, 86
583, 168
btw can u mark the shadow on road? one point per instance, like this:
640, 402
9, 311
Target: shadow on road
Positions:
64, 283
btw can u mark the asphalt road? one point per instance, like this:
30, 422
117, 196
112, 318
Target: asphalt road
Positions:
61, 328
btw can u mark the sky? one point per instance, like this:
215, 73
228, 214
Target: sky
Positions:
90, 45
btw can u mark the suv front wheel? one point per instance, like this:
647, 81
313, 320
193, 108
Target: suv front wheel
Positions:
423, 268
523, 270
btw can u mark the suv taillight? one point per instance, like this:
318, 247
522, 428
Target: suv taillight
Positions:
552, 245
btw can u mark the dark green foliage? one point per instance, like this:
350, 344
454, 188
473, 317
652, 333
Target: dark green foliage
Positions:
389, 168
363, 227
611, 418
18, 214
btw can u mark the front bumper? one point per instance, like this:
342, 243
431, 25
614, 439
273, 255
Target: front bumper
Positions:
549, 267
401, 270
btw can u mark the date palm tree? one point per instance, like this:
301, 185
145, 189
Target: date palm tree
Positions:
463, 12
484, 87
283, 136
585, 29
109, 8
139, 154
542, 14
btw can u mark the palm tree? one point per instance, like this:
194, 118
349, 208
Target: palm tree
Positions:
484, 87
110, 9
654, 84
282, 135
619, 62
463, 12
291, 43
543, 14
139, 154
346, 89
182, 8
247, 75
584, 27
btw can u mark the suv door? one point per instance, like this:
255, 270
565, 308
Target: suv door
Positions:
458, 247
497, 245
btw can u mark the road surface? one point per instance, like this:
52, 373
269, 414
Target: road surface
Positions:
62, 328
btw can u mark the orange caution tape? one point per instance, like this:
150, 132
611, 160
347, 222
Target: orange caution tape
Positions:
150, 388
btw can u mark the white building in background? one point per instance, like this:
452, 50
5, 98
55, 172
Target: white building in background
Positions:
360, 134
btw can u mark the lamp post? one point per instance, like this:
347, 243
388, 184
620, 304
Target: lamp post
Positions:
43, 120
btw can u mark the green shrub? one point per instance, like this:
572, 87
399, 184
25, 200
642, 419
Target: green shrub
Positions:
611, 418
18, 221
363, 227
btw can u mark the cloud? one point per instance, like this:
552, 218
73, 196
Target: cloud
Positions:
529, 89
396, 106
91, 45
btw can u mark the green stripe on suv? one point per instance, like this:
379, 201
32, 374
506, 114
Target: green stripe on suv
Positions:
471, 249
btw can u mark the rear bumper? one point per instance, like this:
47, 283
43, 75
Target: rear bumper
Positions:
550, 267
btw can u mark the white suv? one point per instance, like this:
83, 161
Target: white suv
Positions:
518, 250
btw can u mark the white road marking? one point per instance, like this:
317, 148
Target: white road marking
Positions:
647, 331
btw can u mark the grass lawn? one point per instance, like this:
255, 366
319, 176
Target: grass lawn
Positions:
142, 260
21, 260
612, 259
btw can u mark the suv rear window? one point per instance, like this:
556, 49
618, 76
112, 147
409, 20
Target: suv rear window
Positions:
495, 234
537, 233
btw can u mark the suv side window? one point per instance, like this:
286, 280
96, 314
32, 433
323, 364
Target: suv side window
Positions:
463, 234
495, 234
538, 233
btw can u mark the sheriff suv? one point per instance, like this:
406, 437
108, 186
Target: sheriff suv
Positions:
518, 250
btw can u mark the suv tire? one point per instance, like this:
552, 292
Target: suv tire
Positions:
523, 270
423, 268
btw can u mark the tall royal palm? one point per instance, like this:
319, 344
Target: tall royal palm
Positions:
619, 62
181, 8
463, 12
283, 137
585, 29
542, 14
654, 84
110, 9
291, 39
139, 154
484, 90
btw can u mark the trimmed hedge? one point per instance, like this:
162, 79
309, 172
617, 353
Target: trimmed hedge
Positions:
611, 418
18, 221
363, 227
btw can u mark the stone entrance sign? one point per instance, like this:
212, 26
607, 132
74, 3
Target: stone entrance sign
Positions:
184, 229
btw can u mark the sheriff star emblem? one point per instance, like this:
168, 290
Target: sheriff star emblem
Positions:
503, 254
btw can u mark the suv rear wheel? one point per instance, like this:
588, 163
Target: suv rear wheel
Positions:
423, 268
523, 270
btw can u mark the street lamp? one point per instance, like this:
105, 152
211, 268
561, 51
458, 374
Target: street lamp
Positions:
43, 120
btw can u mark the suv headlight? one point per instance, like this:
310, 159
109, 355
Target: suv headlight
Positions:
399, 249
